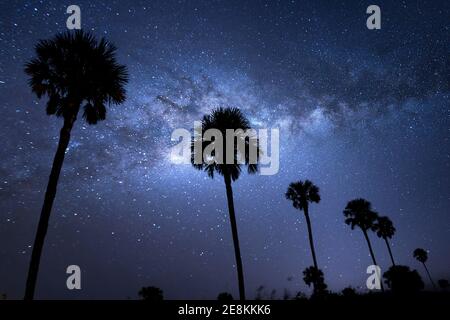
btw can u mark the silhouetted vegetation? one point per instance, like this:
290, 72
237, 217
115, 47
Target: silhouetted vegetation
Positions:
385, 230
151, 294
443, 284
225, 296
262, 294
359, 213
302, 194
259, 293
314, 276
422, 256
400, 279
74, 71
349, 292
286, 295
300, 296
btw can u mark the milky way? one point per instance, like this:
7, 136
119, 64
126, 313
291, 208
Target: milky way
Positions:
362, 113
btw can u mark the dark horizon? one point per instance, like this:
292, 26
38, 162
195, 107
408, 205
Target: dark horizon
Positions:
362, 113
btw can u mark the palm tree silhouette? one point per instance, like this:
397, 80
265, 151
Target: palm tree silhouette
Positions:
385, 229
301, 194
422, 256
222, 119
314, 276
73, 70
359, 213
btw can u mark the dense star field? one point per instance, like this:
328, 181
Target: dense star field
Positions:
361, 113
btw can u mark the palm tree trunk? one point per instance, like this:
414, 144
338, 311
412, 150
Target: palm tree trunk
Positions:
373, 257
64, 138
429, 275
390, 252
311, 242
237, 250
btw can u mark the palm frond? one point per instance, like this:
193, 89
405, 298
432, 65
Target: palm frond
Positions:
74, 67
222, 120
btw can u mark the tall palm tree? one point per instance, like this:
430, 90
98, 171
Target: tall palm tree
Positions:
301, 194
73, 70
359, 213
222, 119
385, 229
422, 256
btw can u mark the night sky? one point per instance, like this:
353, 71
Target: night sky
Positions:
361, 113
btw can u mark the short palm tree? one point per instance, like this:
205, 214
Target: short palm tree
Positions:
422, 256
222, 119
314, 276
359, 213
385, 229
302, 194
73, 70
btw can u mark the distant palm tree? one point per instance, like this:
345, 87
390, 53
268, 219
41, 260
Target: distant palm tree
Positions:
222, 119
359, 213
314, 276
422, 256
385, 229
74, 71
301, 194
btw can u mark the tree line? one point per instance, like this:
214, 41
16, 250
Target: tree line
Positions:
77, 74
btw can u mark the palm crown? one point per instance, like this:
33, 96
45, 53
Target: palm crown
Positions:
222, 119
314, 276
384, 227
300, 193
74, 69
359, 213
421, 255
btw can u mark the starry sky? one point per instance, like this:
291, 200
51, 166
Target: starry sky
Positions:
361, 113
